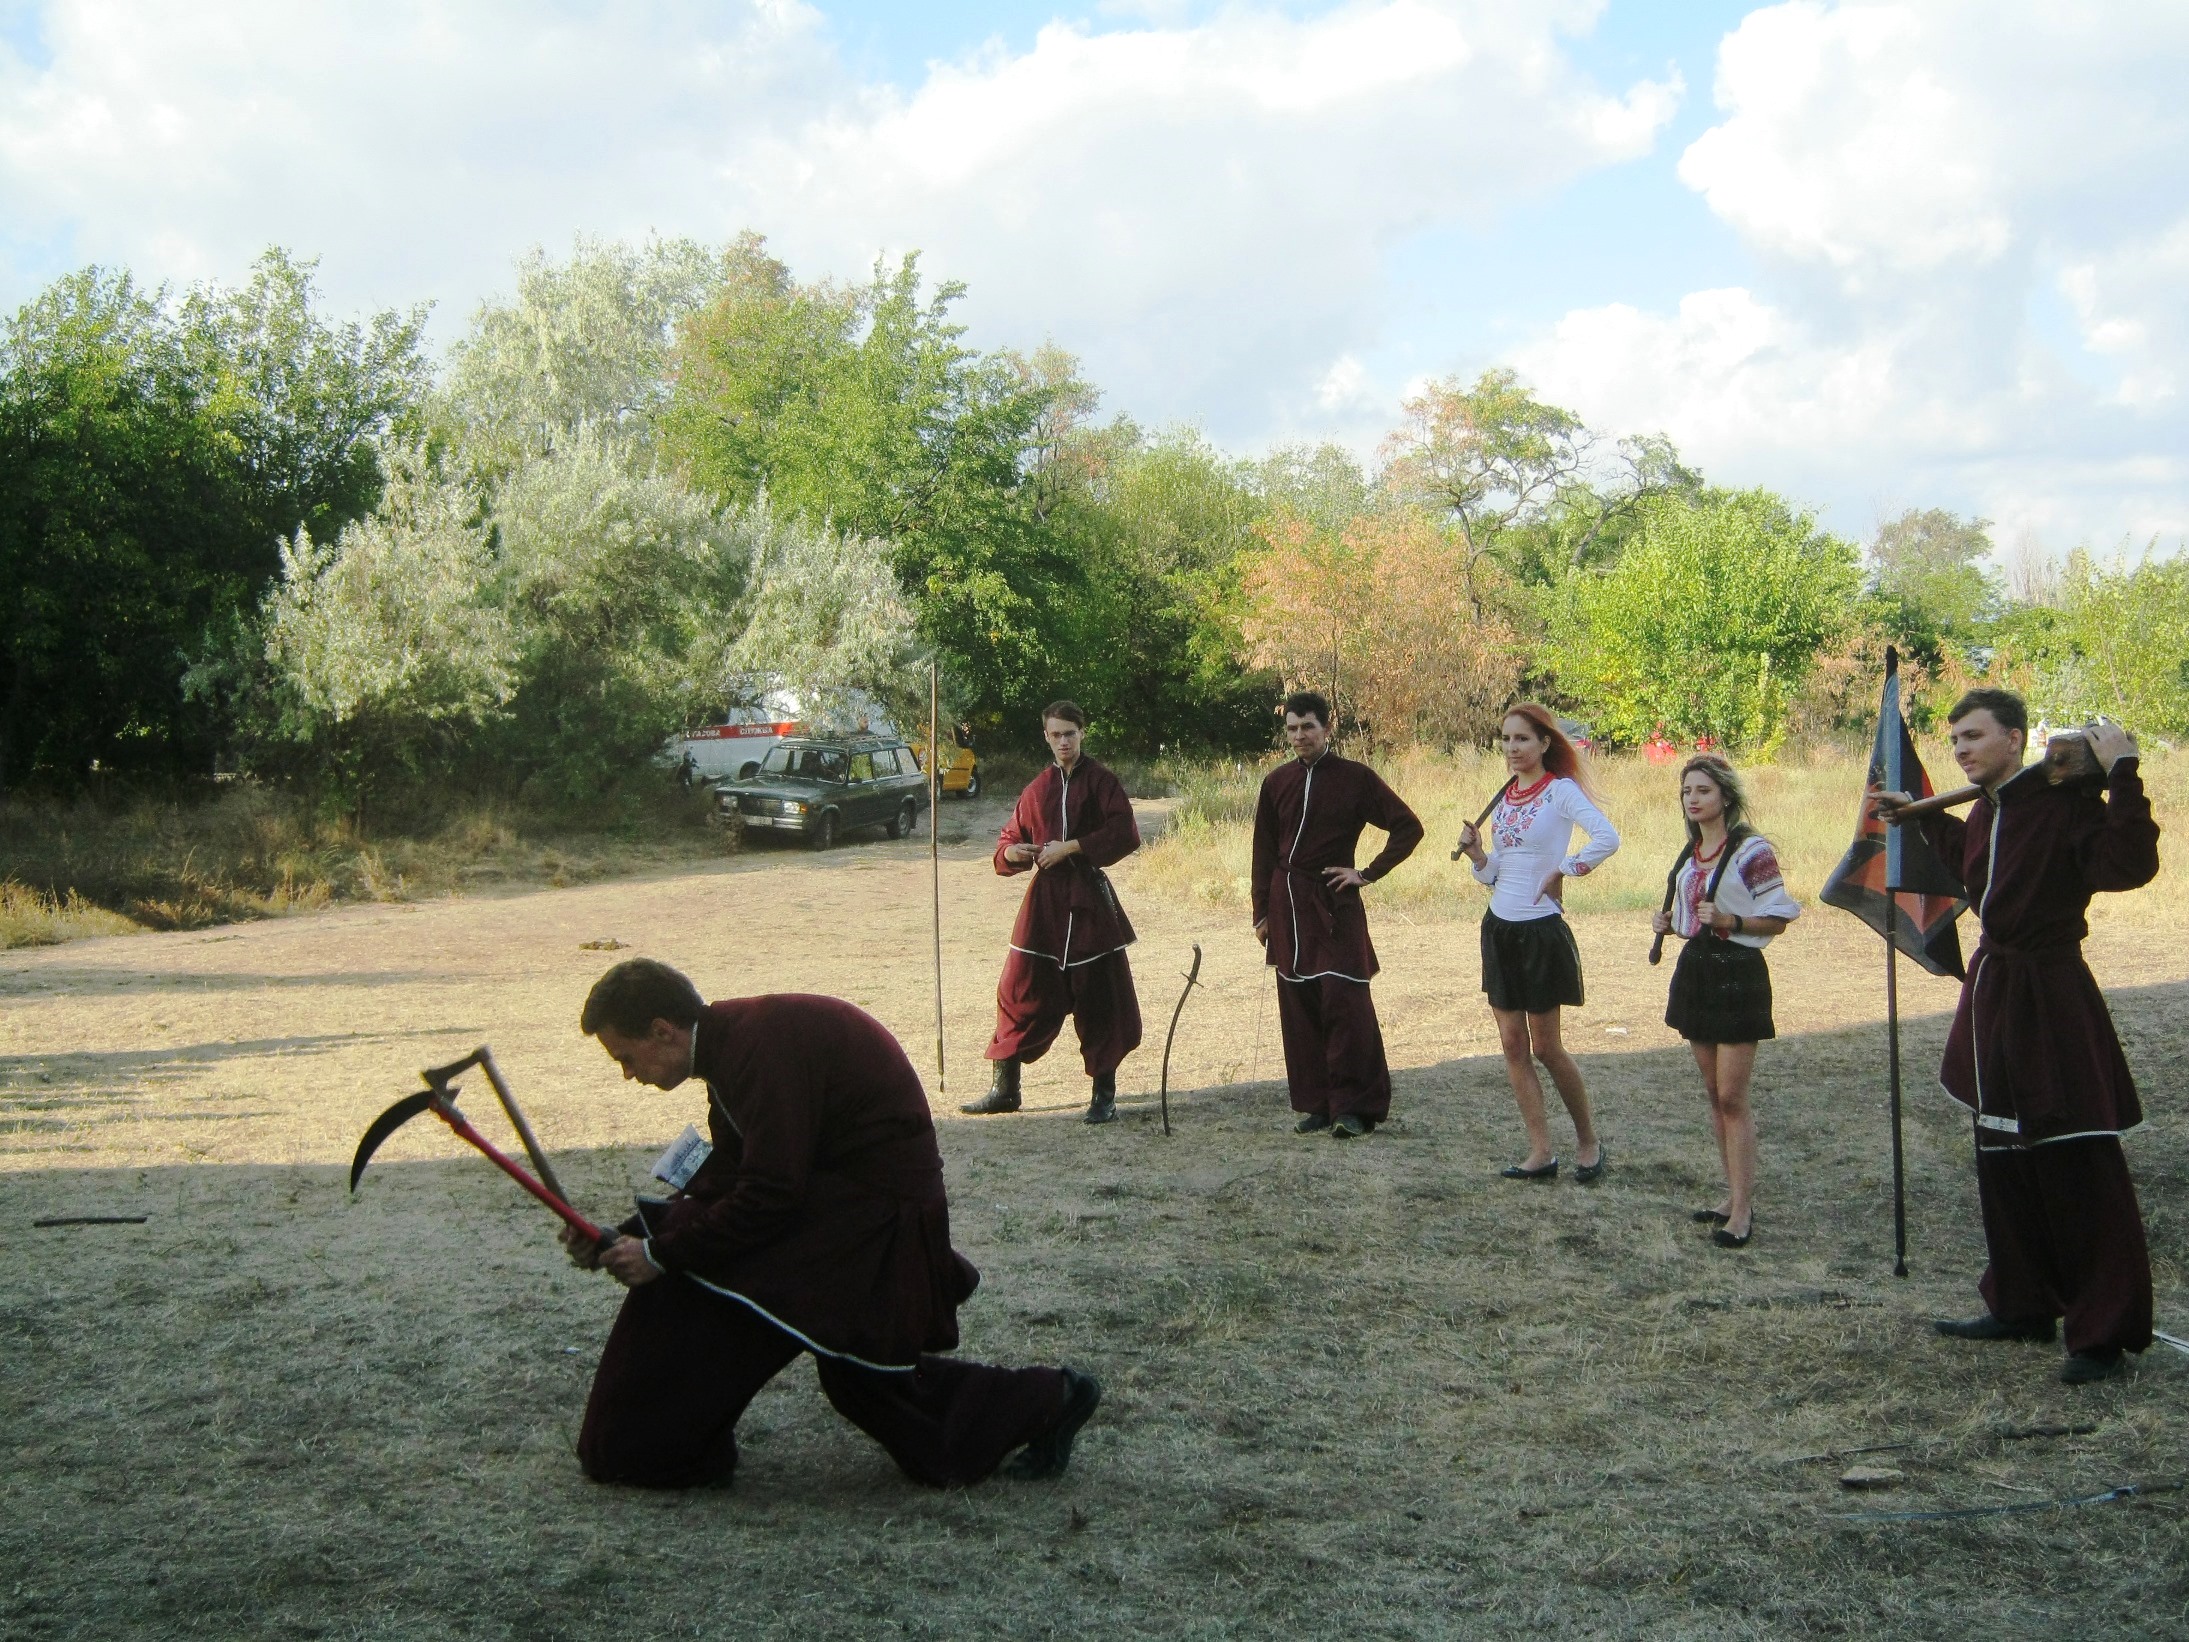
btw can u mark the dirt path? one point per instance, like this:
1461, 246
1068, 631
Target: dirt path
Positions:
276, 1042
1364, 1391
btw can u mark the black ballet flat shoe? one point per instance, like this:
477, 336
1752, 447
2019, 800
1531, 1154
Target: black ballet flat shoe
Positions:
2039, 1331
1350, 1127
1710, 1217
1588, 1174
2089, 1367
1725, 1239
1048, 1454
1514, 1171
1312, 1124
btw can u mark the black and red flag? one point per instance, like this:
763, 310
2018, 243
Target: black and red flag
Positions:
1892, 879
1896, 868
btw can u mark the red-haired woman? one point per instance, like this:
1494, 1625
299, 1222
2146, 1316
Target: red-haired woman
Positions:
1530, 965
1728, 900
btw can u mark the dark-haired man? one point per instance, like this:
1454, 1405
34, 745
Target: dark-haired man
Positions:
1068, 948
1308, 915
816, 1224
2032, 1051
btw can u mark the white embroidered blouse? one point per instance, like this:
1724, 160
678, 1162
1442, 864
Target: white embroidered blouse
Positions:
1532, 838
1752, 887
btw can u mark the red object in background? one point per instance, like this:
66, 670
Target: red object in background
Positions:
1658, 750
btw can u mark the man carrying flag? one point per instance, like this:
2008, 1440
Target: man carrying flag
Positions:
2032, 1052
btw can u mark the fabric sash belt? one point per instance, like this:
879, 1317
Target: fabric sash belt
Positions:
1319, 901
2054, 952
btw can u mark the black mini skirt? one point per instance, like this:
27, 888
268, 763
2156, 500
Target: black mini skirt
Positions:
1721, 993
1531, 965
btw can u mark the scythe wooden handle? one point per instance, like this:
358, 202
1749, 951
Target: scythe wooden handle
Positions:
440, 1080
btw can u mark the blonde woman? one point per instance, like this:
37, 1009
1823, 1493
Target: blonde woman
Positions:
1531, 968
1728, 900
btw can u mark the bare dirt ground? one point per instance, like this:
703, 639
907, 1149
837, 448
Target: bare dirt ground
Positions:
1364, 1390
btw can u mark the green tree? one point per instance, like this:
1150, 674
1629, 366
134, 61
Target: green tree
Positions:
1709, 621
825, 618
863, 410
583, 344
623, 592
303, 404
383, 654
2116, 642
1933, 565
113, 550
154, 455
1161, 531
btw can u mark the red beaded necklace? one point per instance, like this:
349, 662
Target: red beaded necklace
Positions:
1702, 860
1520, 795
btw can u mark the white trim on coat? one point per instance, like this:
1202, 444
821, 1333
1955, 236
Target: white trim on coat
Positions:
800, 1335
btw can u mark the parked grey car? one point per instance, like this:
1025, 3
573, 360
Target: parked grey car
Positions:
820, 787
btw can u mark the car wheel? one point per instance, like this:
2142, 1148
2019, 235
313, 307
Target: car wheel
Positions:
908, 817
972, 785
824, 830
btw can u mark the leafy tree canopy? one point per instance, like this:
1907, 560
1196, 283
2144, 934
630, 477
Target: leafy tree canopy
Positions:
155, 453
862, 408
1709, 621
1933, 564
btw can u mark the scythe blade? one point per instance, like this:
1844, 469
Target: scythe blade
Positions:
385, 1125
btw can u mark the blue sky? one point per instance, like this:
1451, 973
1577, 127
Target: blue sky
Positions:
1875, 253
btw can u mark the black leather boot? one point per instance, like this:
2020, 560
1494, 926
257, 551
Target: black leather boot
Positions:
1102, 1108
1002, 1093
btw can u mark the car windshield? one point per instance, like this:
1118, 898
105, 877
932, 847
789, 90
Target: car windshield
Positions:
805, 763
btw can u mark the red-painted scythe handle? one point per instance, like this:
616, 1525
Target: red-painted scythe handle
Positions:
576, 1221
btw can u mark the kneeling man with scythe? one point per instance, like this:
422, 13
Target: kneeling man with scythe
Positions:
817, 1223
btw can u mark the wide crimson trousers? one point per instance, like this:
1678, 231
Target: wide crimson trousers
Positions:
1334, 1048
1033, 996
2065, 1237
681, 1364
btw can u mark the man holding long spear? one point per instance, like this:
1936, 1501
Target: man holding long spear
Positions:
2032, 1052
1068, 948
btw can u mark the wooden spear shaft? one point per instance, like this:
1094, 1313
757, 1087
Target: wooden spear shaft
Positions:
934, 853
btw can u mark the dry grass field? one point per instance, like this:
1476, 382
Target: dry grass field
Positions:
1359, 1391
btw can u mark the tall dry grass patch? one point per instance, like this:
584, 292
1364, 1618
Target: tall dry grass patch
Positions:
1805, 806
31, 917
92, 867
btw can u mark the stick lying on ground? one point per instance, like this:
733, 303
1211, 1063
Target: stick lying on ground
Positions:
92, 1220
2112, 1496
440, 1100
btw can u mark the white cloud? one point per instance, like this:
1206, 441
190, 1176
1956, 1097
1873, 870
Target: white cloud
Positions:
1346, 387
1200, 209
1208, 207
417, 147
1919, 182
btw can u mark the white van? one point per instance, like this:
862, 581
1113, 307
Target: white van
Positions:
733, 749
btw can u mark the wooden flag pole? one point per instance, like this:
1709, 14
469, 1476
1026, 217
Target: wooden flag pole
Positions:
1892, 1041
934, 853
1891, 726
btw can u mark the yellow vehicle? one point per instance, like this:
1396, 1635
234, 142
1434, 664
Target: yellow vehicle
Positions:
960, 767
